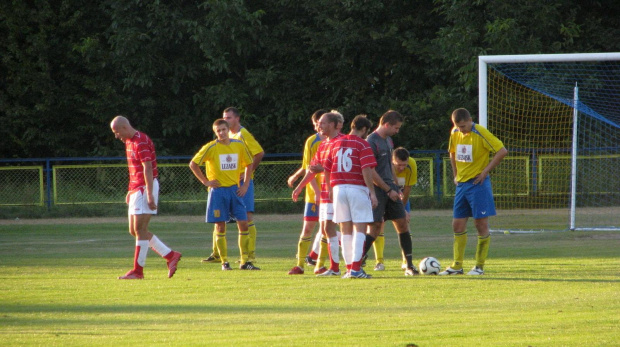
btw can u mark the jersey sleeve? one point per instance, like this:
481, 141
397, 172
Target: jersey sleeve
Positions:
413, 177
201, 156
253, 145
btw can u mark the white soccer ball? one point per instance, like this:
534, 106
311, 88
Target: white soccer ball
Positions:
430, 266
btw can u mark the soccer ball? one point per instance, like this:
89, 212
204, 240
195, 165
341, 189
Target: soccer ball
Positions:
429, 266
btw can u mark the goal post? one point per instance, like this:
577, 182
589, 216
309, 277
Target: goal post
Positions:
562, 113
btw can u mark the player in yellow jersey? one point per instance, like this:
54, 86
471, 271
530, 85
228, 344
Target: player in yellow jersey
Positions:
311, 210
470, 145
225, 159
406, 171
238, 132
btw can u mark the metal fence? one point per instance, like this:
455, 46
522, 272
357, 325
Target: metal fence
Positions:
62, 181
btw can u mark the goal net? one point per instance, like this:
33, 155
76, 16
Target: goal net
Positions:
559, 117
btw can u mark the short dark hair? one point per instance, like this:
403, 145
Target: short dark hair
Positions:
317, 114
360, 122
219, 122
401, 153
392, 117
460, 114
233, 110
333, 117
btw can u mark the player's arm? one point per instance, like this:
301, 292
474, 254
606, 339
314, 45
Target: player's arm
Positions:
368, 175
247, 175
258, 157
201, 177
453, 164
294, 177
497, 158
405, 194
379, 182
148, 179
309, 176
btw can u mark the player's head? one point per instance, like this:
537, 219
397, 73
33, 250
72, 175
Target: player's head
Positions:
361, 125
462, 120
316, 116
330, 123
121, 128
232, 116
221, 128
400, 159
390, 122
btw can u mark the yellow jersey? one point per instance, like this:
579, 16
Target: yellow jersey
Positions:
225, 163
409, 176
310, 148
248, 139
471, 150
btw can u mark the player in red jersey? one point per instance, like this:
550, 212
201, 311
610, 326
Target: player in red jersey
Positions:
329, 125
348, 173
142, 197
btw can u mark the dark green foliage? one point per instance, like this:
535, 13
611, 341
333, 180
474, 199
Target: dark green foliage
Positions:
171, 67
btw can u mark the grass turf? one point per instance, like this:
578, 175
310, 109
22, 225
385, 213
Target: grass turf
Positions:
59, 287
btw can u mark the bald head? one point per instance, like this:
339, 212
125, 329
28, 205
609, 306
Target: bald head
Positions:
121, 128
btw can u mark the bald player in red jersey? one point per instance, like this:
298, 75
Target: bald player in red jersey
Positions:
142, 196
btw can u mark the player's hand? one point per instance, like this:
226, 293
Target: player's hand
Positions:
373, 200
291, 181
480, 178
151, 201
242, 190
393, 195
295, 194
213, 184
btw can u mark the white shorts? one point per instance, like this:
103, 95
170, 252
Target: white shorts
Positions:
326, 211
352, 204
138, 203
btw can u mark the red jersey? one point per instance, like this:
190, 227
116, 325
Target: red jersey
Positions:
319, 159
348, 155
139, 149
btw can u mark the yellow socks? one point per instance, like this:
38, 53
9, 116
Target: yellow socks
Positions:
378, 246
244, 241
302, 250
460, 241
482, 250
252, 241
221, 246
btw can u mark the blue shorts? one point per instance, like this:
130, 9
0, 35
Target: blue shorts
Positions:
311, 212
224, 202
408, 206
474, 200
248, 198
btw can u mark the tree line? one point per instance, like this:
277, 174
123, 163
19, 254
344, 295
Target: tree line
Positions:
69, 66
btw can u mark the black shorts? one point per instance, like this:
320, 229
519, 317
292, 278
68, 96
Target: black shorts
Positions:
387, 209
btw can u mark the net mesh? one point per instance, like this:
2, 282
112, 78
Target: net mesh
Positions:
530, 108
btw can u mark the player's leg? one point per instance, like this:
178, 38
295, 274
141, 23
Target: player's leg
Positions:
305, 238
461, 213
218, 203
222, 244
248, 200
483, 207
313, 256
395, 211
346, 228
378, 212
328, 228
379, 246
244, 240
138, 227
482, 248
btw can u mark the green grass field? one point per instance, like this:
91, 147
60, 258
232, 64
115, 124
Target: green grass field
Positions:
59, 288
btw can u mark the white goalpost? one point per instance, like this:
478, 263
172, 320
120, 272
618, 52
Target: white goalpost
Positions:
559, 117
